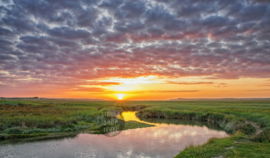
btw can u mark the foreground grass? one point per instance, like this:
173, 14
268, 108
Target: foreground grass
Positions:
211, 148
249, 149
237, 145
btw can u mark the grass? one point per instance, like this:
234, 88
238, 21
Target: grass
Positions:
213, 147
262, 137
235, 146
134, 124
49, 116
12, 136
33, 117
249, 149
229, 123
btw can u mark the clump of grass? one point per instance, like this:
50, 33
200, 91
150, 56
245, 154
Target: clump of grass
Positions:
68, 128
262, 137
39, 130
212, 148
10, 103
16, 130
247, 129
11, 136
134, 124
4, 136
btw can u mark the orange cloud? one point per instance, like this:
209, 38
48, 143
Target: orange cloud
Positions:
188, 83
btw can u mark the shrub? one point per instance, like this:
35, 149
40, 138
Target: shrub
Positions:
247, 129
68, 128
16, 130
4, 136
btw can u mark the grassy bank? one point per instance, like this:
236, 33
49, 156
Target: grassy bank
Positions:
229, 123
237, 145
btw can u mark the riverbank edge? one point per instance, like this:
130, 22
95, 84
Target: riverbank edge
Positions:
47, 136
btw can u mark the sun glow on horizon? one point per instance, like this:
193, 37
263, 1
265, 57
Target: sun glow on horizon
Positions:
120, 96
160, 88
128, 86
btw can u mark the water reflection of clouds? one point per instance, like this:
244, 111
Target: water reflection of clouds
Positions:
181, 135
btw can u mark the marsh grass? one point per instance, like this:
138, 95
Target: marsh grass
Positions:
255, 111
229, 123
213, 147
235, 146
134, 124
48, 116
13, 136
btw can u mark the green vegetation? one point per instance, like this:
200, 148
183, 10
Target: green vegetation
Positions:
134, 124
11, 136
262, 137
255, 111
229, 123
46, 118
32, 117
235, 146
212, 147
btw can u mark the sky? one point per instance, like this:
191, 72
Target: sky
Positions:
135, 49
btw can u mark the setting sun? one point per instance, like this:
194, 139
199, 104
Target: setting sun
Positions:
120, 96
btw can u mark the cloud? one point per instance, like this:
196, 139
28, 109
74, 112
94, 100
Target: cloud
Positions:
180, 91
188, 83
106, 83
84, 40
221, 85
89, 89
102, 83
159, 91
265, 85
255, 90
68, 33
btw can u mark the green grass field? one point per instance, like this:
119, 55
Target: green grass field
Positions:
30, 118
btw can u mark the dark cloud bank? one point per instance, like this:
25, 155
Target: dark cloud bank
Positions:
67, 41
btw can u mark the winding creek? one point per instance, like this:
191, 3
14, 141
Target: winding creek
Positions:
165, 140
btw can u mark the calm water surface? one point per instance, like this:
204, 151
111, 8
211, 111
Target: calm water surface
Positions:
162, 141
